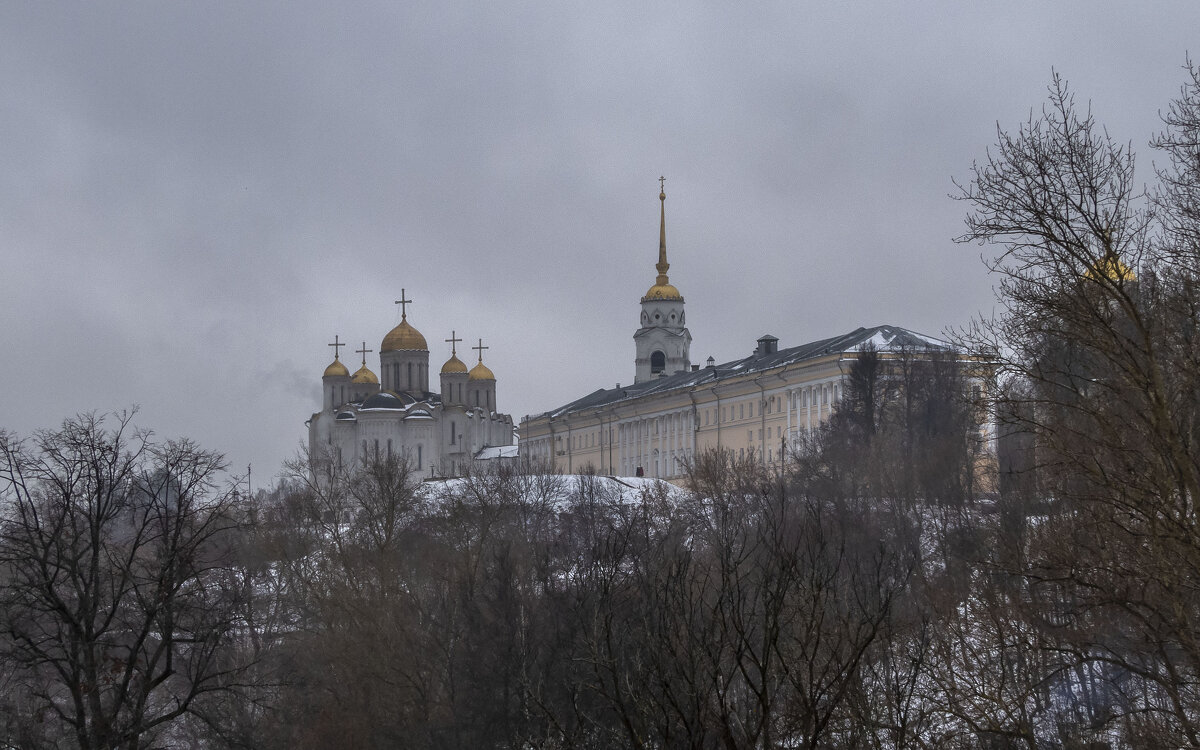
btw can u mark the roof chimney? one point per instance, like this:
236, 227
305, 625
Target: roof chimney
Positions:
767, 344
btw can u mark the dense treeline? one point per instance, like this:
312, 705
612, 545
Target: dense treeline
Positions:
891, 585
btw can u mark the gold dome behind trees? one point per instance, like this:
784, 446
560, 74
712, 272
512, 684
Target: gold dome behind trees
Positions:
1111, 268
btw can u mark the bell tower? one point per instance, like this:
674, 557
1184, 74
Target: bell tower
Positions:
663, 340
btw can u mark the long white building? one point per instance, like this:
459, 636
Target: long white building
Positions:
675, 409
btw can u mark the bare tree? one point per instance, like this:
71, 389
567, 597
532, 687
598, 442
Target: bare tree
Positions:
1098, 352
119, 610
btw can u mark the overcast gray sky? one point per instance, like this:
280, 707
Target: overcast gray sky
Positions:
195, 197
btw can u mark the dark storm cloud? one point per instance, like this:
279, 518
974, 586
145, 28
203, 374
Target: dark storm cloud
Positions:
197, 197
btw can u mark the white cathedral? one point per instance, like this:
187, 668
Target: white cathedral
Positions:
440, 434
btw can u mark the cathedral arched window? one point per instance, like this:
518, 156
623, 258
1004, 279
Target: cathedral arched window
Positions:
658, 362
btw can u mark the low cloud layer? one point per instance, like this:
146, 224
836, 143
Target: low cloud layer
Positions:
198, 197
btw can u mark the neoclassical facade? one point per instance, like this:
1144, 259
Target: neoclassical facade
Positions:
396, 413
674, 409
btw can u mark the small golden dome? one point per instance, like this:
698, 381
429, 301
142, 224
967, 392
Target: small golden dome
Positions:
481, 372
404, 337
663, 292
364, 377
453, 365
1111, 268
336, 370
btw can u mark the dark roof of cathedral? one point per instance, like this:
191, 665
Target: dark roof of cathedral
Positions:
883, 338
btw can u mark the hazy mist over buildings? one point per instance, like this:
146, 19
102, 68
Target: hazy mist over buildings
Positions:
197, 197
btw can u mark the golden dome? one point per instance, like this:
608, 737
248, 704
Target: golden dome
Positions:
336, 370
663, 292
481, 372
364, 376
1111, 268
453, 365
404, 337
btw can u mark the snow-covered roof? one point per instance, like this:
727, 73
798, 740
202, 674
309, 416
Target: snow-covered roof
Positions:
559, 489
498, 451
885, 338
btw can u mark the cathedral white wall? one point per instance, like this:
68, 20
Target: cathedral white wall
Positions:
405, 370
336, 390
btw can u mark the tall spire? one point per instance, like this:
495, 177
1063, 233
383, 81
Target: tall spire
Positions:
662, 264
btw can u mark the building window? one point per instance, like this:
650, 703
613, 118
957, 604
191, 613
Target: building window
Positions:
419, 456
452, 431
389, 447
408, 383
658, 362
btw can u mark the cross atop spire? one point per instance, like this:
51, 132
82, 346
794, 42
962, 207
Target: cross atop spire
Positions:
403, 303
365, 351
454, 340
337, 344
480, 349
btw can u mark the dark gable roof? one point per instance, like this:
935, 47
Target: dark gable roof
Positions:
885, 338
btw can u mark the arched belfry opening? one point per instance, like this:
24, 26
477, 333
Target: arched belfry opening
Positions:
658, 362
662, 342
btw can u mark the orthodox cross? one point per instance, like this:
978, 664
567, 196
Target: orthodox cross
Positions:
661, 180
480, 349
336, 346
365, 351
454, 340
403, 304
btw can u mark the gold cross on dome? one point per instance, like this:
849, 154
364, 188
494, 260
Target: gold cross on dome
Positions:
480, 349
661, 180
337, 344
454, 340
364, 351
403, 304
